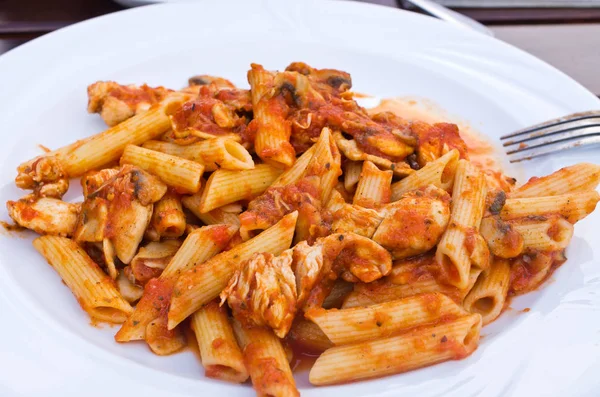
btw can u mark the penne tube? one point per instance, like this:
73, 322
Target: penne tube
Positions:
384, 319
296, 171
199, 246
221, 356
461, 243
325, 164
106, 147
402, 283
204, 282
181, 174
168, 219
45, 215
266, 361
214, 217
552, 233
489, 292
226, 187
578, 178
211, 153
94, 290
373, 187
452, 340
352, 170
439, 173
573, 207
272, 143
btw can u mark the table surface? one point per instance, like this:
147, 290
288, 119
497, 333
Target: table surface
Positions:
567, 38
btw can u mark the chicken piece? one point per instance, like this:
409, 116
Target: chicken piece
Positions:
212, 113
276, 202
263, 292
117, 103
356, 219
120, 209
44, 215
44, 175
415, 223
435, 140
354, 257
92, 222
308, 268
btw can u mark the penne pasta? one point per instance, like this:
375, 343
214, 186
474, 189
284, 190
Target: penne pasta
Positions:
489, 292
221, 356
373, 187
214, 217
352, 170
439, 173
383, 319
574, 207
578, 178
266, 361
211, 153
272, 142
198, 247
461, 244
551, 233
168, 219
296, 171
409, 277
181, 174
94, 290
436, 343
226, 187
204, 282
325, 164
382, 247
106, 147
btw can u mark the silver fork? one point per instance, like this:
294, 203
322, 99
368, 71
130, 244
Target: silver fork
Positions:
553, 136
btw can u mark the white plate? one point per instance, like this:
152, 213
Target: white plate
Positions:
47, 346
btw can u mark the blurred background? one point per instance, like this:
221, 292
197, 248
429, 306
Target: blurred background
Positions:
564, 33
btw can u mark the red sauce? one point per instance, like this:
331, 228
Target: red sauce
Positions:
28, 214
136, 95
220, 235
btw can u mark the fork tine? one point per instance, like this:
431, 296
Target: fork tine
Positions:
557, 121
563, 128
557, 137
558, 147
